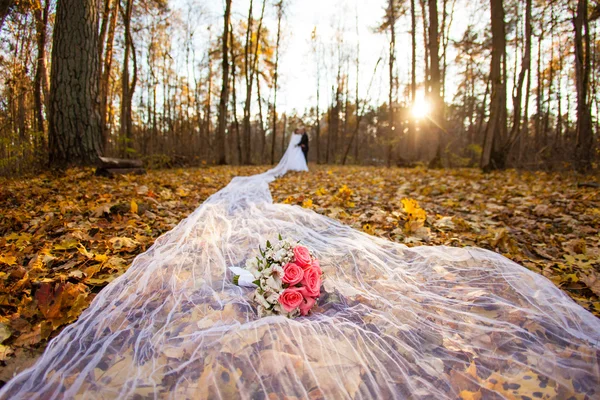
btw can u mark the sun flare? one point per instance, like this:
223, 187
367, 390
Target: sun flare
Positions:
420, 108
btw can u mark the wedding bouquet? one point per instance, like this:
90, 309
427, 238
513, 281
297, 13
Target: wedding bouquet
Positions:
287, 278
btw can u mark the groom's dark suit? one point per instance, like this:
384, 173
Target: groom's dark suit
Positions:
304, 145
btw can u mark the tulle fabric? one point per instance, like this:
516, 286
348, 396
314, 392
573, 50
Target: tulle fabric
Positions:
393, 322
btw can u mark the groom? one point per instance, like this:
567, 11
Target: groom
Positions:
303, 142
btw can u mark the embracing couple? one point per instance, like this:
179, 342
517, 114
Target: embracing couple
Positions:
296, 155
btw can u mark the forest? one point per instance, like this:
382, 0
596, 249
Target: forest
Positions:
449, 203
498, 84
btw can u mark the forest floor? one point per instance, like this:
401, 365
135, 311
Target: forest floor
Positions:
63, 238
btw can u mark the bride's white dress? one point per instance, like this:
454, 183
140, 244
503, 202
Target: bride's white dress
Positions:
393, 322
293, 159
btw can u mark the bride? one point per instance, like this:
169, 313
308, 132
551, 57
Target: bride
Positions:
294, 159
392, 321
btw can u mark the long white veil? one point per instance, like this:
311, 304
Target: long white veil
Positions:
394, 322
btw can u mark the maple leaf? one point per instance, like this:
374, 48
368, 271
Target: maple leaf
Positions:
9, 260
63, 302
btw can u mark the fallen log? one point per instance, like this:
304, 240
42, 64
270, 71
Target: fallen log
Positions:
111, 163
111, 172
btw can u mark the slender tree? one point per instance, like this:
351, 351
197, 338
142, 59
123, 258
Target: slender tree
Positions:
220, 139
315, 48
128, 87
41, 86
279, 6
492, 156
437, 103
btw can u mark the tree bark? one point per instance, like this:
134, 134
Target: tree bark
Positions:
74, 121
437, 113
222, 120
584, 138
492, 156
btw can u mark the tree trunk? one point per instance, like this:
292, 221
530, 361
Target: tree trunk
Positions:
246, 121
412, 129
279, 6
584, 139
236, 123
437, 114
74, 122
492, 156
525, 69
127, 87
41, 85
220, 139
107, 59
318, 72
391, 60
261, 157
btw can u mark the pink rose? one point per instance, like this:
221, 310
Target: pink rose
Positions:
293, 274
311, 283
302, 257
317, 265
290, 299
306, 305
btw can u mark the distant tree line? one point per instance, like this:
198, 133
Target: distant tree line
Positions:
128, 78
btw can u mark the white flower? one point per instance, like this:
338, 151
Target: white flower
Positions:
281, 254
273, 298
277, 272
278, 308
272, 283
261, 300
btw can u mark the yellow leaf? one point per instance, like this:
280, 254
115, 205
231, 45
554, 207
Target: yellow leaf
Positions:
134, 207
368, 228
308, 203
467, 395
10, 260
66, 244
321, 192
289, 200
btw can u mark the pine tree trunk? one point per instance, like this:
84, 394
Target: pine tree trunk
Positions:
74, 121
